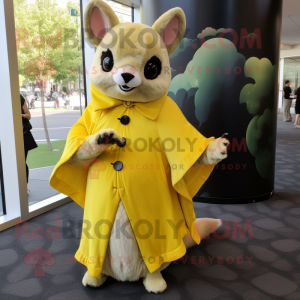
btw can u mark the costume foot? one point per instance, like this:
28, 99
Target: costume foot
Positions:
154, 283
92, 281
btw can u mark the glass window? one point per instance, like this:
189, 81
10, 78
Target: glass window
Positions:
48, 39
292, 71
123, 12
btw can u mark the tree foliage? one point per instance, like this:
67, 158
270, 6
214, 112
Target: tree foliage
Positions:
46, 32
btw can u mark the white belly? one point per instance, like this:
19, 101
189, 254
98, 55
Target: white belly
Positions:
123, 260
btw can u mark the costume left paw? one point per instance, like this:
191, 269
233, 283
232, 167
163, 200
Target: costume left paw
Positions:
154, 283
215, 152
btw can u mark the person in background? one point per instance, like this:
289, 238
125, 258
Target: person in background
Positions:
297, 107
32, 103
287, 102
29, 142
68, 101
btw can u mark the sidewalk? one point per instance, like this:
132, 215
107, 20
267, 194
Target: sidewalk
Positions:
39, 185
38, 112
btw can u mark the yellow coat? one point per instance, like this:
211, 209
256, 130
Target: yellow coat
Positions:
157, 182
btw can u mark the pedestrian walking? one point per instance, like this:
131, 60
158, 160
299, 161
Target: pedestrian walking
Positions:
297, 107
287, 102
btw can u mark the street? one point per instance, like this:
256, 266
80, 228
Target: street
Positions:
59, 124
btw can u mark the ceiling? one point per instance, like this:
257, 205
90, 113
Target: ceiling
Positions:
290, 34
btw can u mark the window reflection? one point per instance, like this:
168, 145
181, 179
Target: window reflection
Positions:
291, 73
123, 12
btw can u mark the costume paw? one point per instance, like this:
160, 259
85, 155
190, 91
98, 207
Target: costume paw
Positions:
217, 151
111, 137
154, 283
92, 281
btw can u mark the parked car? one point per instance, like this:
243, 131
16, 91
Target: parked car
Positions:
46, 95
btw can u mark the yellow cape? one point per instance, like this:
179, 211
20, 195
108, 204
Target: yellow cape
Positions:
156, 185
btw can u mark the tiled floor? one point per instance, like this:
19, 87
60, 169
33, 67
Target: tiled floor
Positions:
262, 265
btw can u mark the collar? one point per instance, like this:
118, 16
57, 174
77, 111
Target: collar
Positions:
150, 110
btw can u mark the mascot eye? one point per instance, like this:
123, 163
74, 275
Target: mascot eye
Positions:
153, 68
107, 61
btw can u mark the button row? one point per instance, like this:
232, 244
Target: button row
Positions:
118, 165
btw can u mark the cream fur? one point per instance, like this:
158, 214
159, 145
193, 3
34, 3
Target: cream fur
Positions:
106, 10
213, 153
124, 246
155, 283
160, 25
90, 148
136, 56
137, 52
92, 281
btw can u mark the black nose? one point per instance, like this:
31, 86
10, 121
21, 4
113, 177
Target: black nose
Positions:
127, 77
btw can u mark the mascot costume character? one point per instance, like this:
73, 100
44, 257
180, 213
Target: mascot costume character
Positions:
133, 161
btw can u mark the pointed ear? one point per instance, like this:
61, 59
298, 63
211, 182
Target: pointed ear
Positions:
171, 27
99, 18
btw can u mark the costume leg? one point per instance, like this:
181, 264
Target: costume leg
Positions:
154, 282
92, 281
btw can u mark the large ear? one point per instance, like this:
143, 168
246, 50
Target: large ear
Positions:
99, 18
171, 27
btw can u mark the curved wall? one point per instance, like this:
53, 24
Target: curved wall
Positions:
225, 79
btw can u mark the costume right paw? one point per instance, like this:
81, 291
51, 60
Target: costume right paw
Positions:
98, 143
110, 137
88, 280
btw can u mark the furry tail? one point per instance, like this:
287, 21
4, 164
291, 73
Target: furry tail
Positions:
205, 227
